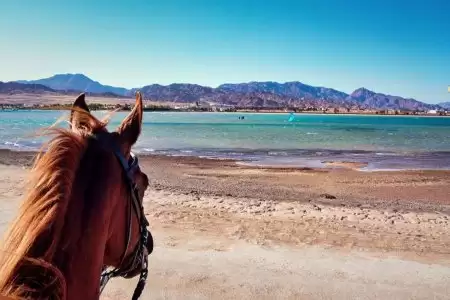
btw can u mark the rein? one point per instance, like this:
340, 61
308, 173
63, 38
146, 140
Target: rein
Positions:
140, 253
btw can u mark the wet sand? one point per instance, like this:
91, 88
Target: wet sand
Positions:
227, 231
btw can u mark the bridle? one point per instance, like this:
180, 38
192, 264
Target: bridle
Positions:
140, 252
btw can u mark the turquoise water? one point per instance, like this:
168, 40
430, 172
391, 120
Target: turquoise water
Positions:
386, 142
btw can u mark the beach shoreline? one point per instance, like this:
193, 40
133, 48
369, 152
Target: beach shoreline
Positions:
366, 144
341, 186
250, 222
289, 159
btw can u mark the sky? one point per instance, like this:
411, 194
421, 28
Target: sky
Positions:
393, 47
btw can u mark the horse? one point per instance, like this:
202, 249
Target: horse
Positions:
82, 213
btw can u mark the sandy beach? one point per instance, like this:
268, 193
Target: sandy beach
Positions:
228, 231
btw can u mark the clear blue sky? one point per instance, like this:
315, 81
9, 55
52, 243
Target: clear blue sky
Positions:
395, 47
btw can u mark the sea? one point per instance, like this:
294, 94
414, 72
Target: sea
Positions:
279, 139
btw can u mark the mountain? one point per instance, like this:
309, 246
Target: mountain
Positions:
267, 99
293, 89
361, 97
250, 99
77, 82
381, 101
19, 88
445, 105
256, 94
177, 92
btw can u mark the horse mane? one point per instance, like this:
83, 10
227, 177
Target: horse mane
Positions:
35, 236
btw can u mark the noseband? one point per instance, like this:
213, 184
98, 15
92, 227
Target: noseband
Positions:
140, 252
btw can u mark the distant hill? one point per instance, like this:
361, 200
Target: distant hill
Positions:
256, 94
177, 92
445, 105
382, 101
362, 97
77, 82
39, 89
20, 88
293, 89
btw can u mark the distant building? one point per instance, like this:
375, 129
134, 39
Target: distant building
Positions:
432, 112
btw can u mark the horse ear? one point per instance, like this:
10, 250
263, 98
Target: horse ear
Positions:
79, 107
130, 129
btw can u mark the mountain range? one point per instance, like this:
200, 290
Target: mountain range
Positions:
445, 105
16, 87
254, 94
76, 82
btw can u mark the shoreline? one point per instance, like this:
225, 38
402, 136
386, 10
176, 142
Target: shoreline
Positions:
308, 161
217, 224
409, 190
271, 219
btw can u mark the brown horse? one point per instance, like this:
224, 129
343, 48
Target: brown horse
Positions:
83, 211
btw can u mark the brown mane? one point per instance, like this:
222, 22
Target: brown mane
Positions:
37, 239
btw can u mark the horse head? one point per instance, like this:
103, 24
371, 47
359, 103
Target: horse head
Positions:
83, 212
128, 258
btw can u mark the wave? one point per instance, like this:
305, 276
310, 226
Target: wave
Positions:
20, 146
375, 160
317, 157
277, 153
12, 144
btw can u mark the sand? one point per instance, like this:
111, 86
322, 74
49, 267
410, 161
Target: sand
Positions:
226, 231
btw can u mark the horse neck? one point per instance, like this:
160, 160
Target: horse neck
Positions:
81, 250
86, 256
85, 260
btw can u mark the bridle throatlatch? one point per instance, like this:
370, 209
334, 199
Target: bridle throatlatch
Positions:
140, 252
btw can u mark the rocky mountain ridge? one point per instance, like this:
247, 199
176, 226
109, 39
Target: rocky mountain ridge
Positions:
251, 94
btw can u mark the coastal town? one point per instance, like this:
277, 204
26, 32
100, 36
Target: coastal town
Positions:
212, 107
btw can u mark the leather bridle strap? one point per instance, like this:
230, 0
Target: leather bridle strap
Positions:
136, 206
